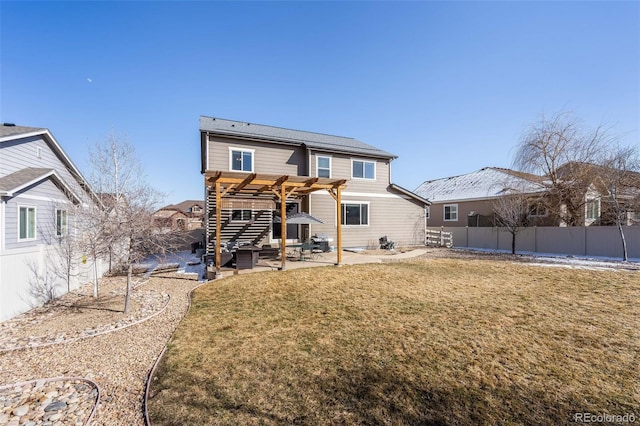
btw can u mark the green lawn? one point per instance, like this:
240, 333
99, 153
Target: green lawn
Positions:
423, 341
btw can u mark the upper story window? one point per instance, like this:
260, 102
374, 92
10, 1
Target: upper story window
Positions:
363, 169
62, 227
355, 214
27, 223
195, 209
592, 208
324, 166
451, 212
241, 160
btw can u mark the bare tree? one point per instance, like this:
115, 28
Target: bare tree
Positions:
619, 177
62, 241
511, 212
561, 148
126, 227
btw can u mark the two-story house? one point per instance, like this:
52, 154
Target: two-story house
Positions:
257, 169
40, 188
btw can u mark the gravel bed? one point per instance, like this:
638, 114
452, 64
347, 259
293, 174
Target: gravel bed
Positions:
118, 362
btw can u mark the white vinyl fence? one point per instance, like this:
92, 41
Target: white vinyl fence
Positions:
598, 241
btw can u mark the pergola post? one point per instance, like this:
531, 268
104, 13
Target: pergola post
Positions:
339, 225
218, 229
283, 227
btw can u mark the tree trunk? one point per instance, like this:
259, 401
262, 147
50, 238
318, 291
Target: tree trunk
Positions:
128, 292
513, 243
95, 278
619, 224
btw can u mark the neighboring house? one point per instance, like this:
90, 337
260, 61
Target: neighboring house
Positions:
598, 180
469, 200
40, 188
187, 215
262, 164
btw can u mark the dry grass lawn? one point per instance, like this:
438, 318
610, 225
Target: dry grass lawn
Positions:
419, 342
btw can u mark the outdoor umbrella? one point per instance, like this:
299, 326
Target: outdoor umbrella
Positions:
299, 219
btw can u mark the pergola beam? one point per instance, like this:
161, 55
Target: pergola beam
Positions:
282, 187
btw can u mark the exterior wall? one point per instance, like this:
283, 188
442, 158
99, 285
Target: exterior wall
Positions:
23, 152
271, 159
46, 197
602, 241
483, 208
341, 168
23, 264
18, 277
396, 216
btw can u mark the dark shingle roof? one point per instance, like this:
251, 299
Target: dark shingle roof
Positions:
11, 130
318, 141
15, 180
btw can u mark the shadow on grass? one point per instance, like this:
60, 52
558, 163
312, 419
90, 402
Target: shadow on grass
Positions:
366, 394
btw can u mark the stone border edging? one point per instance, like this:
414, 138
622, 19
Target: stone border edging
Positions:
147, 385
64, 379
75, 339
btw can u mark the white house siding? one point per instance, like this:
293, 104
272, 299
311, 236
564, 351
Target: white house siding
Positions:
17, 277
269, 159
390, 214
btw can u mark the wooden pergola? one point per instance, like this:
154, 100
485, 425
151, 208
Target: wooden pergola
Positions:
282, 187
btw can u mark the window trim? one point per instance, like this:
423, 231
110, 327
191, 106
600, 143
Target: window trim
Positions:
242, 150
242, 211
364, 162
323, 168
590, 202
343, 215
35, 222
444, 213
62, 231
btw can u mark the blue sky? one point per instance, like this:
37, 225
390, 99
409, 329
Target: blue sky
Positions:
449, 87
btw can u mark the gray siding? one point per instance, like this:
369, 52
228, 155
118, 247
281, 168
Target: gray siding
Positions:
22, 153
46, 198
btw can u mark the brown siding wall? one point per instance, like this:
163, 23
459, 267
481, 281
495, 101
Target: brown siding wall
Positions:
341, 169
396, 216
272, 159
481, 207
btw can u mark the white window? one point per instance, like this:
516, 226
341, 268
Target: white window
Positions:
363, 169
356, 214
195, 209
324, 167
241, 160
27, 223
592, 209
61, 223
451, 212
241, 215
